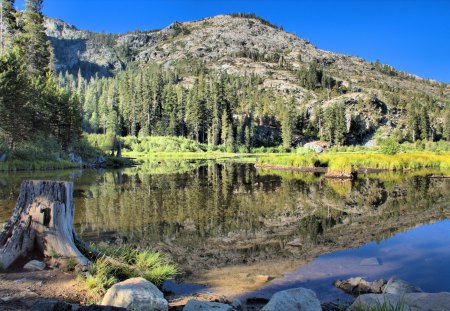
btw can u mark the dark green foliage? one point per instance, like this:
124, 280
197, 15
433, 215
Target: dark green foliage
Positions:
314, 78
38, 119
254, 16
287, 123
334, 125
34, 40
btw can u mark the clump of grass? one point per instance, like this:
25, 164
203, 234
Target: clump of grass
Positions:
128, 262
341, 166
385, 306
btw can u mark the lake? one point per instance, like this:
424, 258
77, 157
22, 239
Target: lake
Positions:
229, 225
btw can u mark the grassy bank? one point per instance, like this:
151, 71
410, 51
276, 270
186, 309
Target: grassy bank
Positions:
36, 165
346, 163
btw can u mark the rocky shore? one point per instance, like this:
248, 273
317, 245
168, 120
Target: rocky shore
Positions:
38, 287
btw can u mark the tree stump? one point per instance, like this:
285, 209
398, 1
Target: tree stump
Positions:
42, 221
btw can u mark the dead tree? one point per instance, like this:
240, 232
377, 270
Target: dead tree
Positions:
42, 221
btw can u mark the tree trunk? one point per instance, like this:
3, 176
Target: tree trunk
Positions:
42, 221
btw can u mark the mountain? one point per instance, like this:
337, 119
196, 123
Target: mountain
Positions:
243, 45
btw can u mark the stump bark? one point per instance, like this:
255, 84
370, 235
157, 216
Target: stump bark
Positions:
42, 221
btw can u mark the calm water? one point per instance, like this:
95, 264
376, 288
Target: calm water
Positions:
210, 216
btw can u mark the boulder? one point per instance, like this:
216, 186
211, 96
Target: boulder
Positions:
35, 265
314, 147
411, 301
197, 305
295, 299
427, 301
357, 286
367, 301
136, 294
396, 286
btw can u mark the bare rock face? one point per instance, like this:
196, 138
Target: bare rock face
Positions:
136, 294
293, 300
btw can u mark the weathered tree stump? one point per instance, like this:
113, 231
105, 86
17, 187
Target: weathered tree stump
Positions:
42, 221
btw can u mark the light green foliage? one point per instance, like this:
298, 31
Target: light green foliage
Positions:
389, 146
128, 262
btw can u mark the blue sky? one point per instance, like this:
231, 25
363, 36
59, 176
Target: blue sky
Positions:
412, 35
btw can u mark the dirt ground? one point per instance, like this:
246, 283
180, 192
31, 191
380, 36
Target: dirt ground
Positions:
21, 290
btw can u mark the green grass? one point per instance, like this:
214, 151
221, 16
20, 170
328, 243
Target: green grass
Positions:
131, 262
385, 306
340, 162
38, 165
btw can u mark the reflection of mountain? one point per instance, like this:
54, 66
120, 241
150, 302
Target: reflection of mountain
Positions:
219, 215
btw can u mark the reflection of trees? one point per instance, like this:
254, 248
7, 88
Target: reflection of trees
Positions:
222, 201
230, 211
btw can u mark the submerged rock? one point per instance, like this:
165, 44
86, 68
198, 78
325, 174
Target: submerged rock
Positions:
136, 294
372, 261
198, 305
35, 265
396, 286
294, 300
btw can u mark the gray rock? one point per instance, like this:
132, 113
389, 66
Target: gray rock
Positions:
314, 147
236, 304
296, 299
357, 286
99, 160
427, 301
2, 157
136, 294
197, 305
396, 286
366, 301
411, 301
372, 261
35, 265
75, 158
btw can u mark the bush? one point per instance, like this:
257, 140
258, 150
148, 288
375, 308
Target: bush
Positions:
39, 148
150, 144
389, 146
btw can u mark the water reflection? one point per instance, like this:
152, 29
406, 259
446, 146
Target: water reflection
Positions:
208, 215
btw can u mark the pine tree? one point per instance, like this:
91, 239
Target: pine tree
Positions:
287, 123
424, 124
224, 127
14, 93
446, 126
9, 24
413, 122
37, 47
